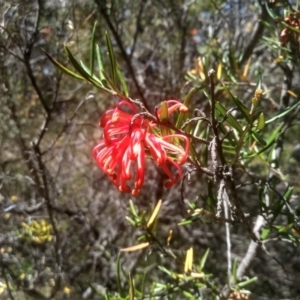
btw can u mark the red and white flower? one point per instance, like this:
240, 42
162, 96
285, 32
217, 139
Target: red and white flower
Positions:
128, 138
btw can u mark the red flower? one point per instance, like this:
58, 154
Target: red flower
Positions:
128, 138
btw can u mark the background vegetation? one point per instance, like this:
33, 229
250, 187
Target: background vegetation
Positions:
63, 223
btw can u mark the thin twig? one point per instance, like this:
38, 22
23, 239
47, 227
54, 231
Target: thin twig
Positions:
228, 240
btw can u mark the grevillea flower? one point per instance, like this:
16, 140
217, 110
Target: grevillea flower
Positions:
128, 138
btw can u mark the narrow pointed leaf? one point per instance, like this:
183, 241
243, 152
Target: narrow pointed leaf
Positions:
123, 82
76, 64
288, 110
230, 137
187, 100
100, 62
244, 283
91, 78
234, 269
109, 82
154, 213
92, 51
96, 82
265, 233
230, 119
112, 59
203, 260
82, 69
275, 134
164, 111
132, 223
258, 138
219, 71
242, 108
261, 122
189, 260
62, 68
143, 286
165, 270
259, 82
131, 288
247, 67
132, 209
288, 193
291, 27
135, 247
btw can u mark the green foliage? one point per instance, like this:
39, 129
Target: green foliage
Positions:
231, 141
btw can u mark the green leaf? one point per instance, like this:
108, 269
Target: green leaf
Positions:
275, 133
76, 65
182, 116
258, 138
143, 285
100, 63
92, 50
273, 137
270, 12
97, 82
288, 110
242, 108
132, 209
259, 81
291, 27
112, 59
85, 72
261, 121
278, 209
185, 222
62, 68
286, 228
132, 222
229, 149
265, 233
188, 295
123, 82
165, 270
246, 282
203, 260
131, 288
229, 118
92, 79
230, 137
190, 76
110, 83
288, 193
234, 269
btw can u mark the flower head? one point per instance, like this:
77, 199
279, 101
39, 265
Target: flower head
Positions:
128, 138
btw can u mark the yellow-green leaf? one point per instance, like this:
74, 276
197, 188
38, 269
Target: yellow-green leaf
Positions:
154, 213
261, 121
135, 247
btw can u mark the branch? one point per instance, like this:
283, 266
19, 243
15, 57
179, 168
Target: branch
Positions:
257, 33
46, 195
248, 258
102, 9
27, 55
